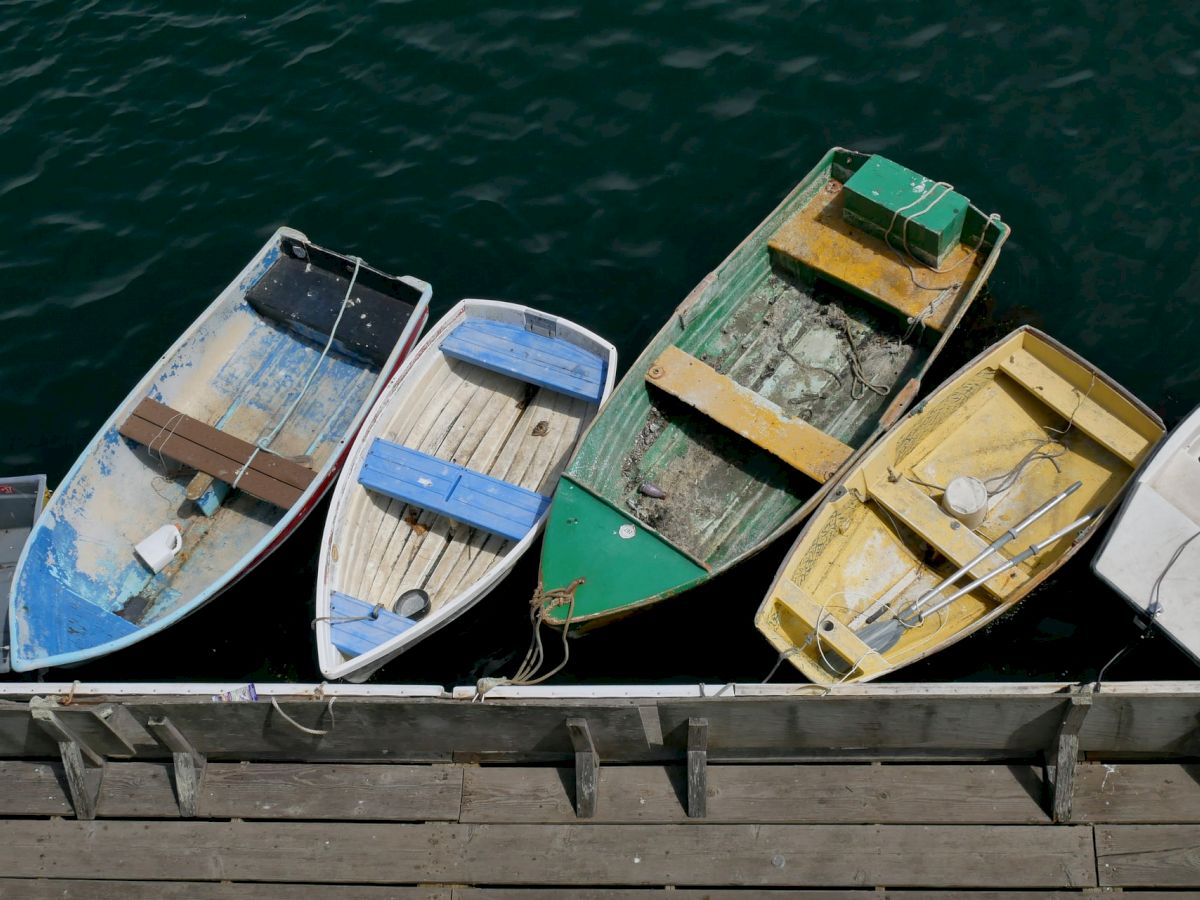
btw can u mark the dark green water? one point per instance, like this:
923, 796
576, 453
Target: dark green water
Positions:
596, 159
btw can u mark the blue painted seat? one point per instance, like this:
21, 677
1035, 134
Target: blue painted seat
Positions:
545, 361
444, 487
362, 634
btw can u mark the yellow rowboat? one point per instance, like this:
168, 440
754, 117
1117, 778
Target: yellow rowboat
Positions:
863, 593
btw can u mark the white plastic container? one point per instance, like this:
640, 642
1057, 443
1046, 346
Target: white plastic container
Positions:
966, 499
160, 548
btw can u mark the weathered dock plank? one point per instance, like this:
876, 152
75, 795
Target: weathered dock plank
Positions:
797, 794
765, 727
419, 731
72, 889
1166, 722
1130, 793
78, 889
350, 792
477, 893
690, 854
1148, 855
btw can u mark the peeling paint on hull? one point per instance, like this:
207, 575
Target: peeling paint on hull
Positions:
240, 371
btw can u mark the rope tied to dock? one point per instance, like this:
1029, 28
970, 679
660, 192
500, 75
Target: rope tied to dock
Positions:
540, 604
316, 732
264, 444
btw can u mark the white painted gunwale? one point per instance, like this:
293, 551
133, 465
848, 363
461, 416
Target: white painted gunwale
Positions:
426, 355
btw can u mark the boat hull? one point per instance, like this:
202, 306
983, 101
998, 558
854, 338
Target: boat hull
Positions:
491, 424
1150, 555
80, 591
1027, 418
696, 492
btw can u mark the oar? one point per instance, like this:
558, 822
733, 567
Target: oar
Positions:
987, 551
884, 636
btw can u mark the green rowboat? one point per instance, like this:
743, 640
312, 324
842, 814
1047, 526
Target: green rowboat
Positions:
765, 384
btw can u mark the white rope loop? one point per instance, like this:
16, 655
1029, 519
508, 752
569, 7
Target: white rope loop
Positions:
316, 732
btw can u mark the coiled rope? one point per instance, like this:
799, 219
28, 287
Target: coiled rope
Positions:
542, 603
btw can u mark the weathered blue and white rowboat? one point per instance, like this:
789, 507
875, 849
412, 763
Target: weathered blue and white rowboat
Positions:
21, 500
448, 482
216, 456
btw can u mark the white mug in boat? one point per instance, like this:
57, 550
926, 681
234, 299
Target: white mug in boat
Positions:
160, 548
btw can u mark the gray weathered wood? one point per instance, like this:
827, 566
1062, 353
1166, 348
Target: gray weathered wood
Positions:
411, 730
1148, 855
1064, 752
106, 729
46, 717
1132, 793
692, 854
697, 764
83, 768
887, 794
189, 765
247, 791
72, 889
83, 781
752, 728
19, 734
77, 889
1165, 722
477, 893
587, 768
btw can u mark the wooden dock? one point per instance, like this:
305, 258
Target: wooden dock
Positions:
902, 791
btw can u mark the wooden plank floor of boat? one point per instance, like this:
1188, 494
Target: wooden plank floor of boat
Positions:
490, 424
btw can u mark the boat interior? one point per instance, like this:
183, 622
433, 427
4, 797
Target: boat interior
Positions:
815, 327
253, 368
1028, 421
470, 417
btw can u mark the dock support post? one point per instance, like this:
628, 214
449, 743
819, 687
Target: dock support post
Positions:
587, 768
189, 764
1063, 755
697, 768
84, 767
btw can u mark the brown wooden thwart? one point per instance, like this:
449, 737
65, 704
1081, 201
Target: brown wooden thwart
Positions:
193, 443
898, 791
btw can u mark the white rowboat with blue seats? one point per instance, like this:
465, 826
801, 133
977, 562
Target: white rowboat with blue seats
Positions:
448, 483
217, 454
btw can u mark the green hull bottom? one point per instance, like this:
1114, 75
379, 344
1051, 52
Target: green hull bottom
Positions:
623, 564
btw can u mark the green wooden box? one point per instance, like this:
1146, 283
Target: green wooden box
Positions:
932, 225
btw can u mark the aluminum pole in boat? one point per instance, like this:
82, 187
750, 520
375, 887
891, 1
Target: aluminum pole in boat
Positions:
1033, 550
987, 551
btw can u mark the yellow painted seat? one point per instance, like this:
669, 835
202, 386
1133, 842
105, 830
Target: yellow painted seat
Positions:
908, 504
754, 417
819, 241
834, 634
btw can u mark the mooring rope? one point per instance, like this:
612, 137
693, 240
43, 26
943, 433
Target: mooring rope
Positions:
264, 444
540, 604
316, 732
